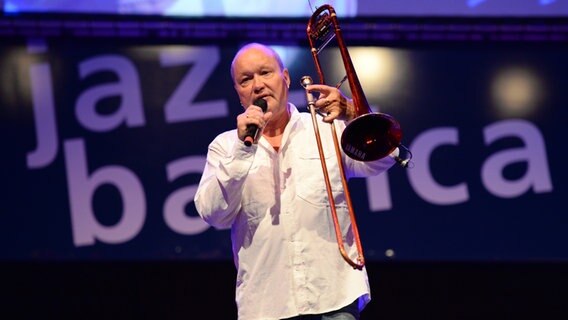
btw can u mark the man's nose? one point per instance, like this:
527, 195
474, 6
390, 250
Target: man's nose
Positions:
258, 83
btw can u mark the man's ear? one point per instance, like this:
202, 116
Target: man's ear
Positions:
286, 77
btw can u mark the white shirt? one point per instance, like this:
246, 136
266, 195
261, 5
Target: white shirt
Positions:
284, 243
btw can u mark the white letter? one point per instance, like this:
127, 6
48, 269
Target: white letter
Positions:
84, 224
420, 176
44, 117
533, 153
127, 88
174, 207
181, 105
378, 192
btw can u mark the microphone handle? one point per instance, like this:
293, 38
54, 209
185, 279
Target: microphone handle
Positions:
252, 131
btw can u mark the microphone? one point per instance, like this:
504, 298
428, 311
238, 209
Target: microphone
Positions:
252, 129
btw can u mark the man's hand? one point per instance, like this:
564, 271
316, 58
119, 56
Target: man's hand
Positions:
333, 103
253, 115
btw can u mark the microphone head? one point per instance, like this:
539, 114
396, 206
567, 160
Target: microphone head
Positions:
261, 103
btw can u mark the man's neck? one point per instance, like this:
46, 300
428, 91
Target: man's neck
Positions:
277, 124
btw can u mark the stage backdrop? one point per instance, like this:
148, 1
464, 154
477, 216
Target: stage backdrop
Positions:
296, 8
103, 145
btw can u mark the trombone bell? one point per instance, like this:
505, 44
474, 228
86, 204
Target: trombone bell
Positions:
371, 136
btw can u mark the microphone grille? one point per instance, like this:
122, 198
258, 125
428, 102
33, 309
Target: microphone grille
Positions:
261, 103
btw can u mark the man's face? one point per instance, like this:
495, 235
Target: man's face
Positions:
257, 74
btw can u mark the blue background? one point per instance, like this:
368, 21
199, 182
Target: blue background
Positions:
486, 258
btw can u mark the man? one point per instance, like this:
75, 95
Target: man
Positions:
272, 196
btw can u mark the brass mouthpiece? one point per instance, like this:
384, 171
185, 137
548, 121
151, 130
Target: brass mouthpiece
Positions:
306, 81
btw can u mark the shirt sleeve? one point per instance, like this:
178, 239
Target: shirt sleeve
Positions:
218, 196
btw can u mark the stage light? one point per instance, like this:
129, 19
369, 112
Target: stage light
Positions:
516, 91
380, 70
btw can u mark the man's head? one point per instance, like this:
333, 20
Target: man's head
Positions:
258, 72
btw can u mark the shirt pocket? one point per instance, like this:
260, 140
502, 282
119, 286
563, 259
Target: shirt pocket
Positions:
310, 182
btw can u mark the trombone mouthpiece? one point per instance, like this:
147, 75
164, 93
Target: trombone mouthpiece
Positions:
306, 81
